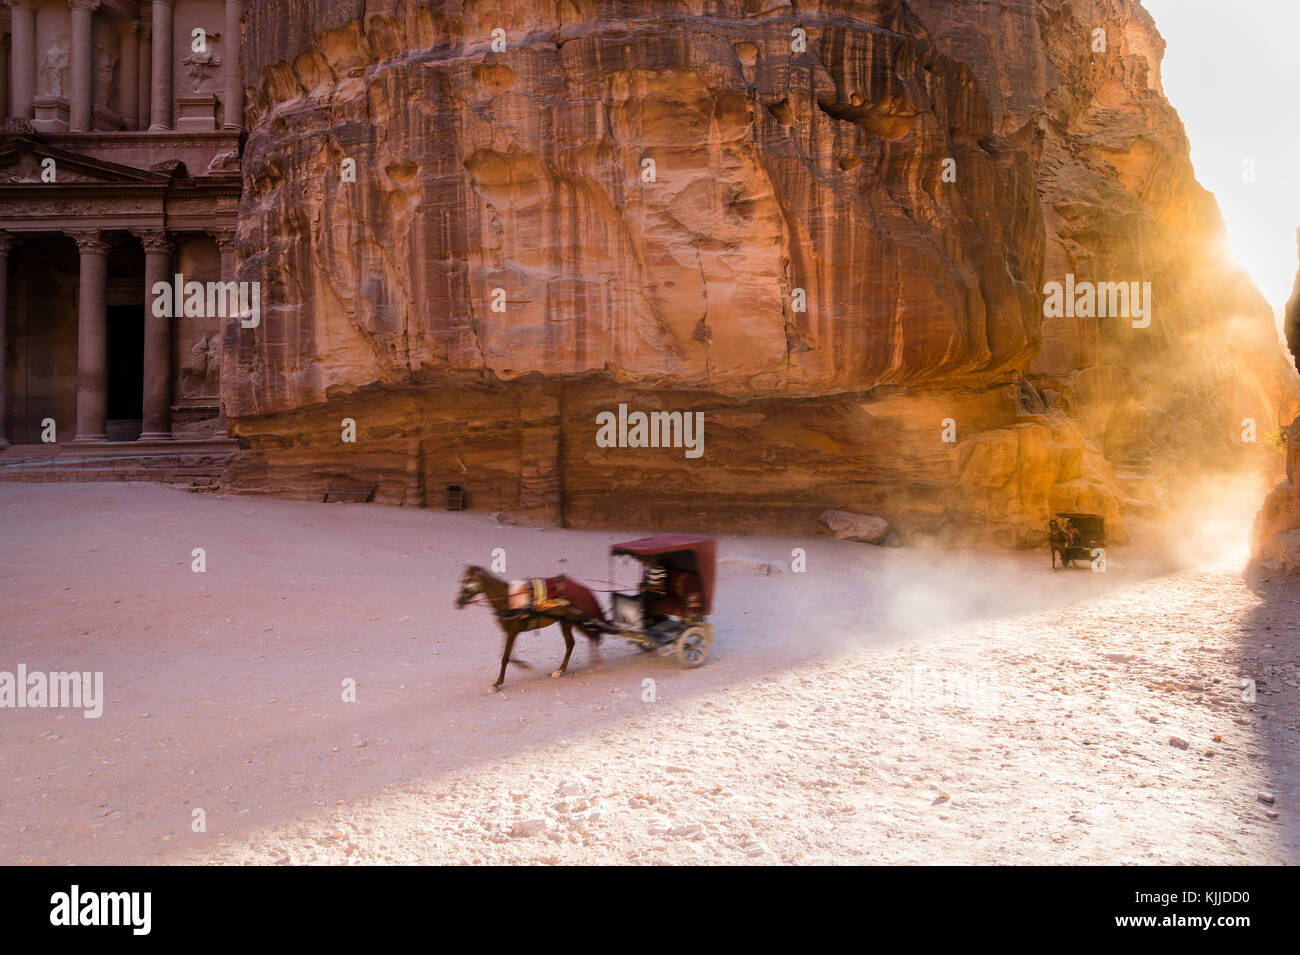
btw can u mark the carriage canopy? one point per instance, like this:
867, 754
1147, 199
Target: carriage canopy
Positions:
1091, 527
681, 553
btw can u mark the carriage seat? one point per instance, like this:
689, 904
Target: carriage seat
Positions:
681, 585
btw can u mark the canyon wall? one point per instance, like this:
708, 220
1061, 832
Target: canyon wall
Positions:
825, 226
1275, 537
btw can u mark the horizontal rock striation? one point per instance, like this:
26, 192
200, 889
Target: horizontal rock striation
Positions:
824, 226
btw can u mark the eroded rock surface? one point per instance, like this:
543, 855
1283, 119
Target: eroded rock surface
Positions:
1275, 538
836, 253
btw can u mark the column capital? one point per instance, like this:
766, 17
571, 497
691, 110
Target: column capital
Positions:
90, 6
225, 239
154, 240
25, 4
90, 241
126, 27
7, 241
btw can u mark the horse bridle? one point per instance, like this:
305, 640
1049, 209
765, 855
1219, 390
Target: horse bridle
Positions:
470, 587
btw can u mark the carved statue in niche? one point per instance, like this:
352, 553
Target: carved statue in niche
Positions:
105, 77
212, 370
201, 65
55, 63
227, 161
201, 370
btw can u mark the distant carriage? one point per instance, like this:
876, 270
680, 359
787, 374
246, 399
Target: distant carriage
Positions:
1076, 537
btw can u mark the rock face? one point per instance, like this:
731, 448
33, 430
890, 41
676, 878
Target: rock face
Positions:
1292, 319
826, 229
1275, 538
1276, 534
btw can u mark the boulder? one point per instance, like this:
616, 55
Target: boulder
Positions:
847, 526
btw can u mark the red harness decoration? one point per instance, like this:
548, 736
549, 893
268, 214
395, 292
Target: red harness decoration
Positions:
578, 595
536, 596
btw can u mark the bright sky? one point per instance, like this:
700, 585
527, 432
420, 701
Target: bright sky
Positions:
1232, 70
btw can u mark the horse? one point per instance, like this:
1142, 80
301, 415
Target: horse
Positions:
477, 582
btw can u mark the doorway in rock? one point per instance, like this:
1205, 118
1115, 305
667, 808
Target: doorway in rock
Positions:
125, 372
41, 339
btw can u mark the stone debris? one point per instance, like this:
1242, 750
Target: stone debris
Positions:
845, 525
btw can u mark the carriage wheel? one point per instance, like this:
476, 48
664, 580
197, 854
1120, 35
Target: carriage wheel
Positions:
694, 644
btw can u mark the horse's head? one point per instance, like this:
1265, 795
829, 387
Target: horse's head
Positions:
471, 585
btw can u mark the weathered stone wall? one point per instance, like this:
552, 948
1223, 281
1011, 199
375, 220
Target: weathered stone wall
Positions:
1165, 404
780, 175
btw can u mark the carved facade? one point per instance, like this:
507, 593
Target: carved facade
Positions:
119, 168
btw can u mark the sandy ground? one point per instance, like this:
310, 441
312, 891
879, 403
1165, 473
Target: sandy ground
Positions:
893, 706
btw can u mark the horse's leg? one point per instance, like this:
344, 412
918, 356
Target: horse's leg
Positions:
567, 628
594, 637
511, 633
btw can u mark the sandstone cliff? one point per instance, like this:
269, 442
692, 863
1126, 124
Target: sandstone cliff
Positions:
1292, 319
1275, 538
825, 225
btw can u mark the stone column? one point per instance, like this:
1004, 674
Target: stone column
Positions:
6, 243
157, 403
82, 67
5, 70
160, 111
144, 51
225, 242
22, 58
232, 83
92, 336
128, 87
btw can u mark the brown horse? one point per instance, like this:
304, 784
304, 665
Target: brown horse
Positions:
477, 582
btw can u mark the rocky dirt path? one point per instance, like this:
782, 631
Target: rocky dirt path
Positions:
885, 706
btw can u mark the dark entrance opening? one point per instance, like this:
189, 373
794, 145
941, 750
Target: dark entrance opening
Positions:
125, 372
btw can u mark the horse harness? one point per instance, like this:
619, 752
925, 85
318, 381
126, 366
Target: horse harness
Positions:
534, 599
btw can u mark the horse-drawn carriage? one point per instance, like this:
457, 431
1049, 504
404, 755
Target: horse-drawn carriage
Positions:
1076, 537
666, 613
674, 596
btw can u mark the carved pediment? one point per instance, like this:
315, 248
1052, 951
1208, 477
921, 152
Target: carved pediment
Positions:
23, 159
